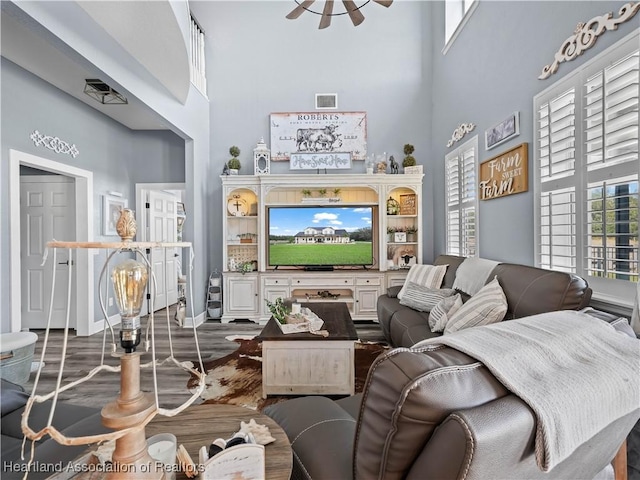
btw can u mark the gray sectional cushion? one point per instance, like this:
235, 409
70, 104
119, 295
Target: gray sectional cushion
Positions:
11, 400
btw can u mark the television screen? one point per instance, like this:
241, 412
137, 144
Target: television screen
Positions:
320, 236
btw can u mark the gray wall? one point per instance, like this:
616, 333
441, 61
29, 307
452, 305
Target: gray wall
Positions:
491, 71
117, 156
259, 62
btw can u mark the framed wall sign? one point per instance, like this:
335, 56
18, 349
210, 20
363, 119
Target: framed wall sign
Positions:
400, 237
506, 129
505, 174
408, 204
320, 161
316, 132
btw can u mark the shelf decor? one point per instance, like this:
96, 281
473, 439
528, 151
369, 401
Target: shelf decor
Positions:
393, 207
261, 159
408, 204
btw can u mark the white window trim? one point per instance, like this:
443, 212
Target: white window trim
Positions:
461, 24
470, 144
605, 291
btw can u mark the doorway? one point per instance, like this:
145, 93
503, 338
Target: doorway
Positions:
83, 294
158, 223
47, 211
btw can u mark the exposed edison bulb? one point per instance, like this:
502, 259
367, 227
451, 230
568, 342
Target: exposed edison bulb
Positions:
129, 283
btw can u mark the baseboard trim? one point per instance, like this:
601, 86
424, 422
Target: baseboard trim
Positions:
199, 320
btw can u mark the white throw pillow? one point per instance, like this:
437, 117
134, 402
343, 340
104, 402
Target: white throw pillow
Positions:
429, 276
422, 298
487, 306
441, 313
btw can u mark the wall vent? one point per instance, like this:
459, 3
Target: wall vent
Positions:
326, 101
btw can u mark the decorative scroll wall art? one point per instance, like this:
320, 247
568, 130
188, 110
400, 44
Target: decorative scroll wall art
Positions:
586, 34
54, 143
505, 174
460, 132
321, 133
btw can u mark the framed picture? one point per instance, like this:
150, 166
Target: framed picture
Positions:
506, 129
319, 134
505, 174
400, 237
408, 204
111, 206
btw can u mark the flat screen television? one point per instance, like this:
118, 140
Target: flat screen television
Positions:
320, 238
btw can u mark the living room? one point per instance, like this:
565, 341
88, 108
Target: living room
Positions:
395, 66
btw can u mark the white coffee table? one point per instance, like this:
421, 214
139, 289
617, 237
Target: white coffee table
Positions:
307, 364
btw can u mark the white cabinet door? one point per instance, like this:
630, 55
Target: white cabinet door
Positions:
240, 296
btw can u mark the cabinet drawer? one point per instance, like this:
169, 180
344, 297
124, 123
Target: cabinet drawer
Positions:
368, 281
322, 282
271, 281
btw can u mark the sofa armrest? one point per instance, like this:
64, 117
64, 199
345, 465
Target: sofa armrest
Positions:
480, 444
321, 435
621, 324
392, 292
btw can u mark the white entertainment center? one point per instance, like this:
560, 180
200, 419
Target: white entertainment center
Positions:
249, 280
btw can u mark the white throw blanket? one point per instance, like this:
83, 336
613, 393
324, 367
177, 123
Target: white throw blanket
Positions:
576, 372
472, 274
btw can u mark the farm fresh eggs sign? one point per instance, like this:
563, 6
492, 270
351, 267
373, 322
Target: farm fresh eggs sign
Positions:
313, 132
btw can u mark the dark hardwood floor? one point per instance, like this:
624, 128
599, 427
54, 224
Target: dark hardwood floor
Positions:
84, 353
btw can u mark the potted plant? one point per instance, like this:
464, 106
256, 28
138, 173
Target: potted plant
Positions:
322, 192
234, 162
409, 160
336, 192
278, 309
411, 233
306, 193
390, 233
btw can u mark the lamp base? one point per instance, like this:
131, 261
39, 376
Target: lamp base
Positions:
131, 459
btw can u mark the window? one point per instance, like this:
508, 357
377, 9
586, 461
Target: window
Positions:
461, 200
587, 171
456, 14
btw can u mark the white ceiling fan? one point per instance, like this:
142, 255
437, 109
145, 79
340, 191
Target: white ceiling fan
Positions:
350, 8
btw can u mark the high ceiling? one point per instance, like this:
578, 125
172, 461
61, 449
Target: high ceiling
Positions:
32, 47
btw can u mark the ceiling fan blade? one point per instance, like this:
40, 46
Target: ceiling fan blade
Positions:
325, 20
355, 14
296, 12
384, 3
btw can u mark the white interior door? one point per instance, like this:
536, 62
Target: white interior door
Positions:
163, 228
47, 212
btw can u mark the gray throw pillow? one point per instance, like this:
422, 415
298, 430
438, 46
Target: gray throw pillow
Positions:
441, 313
423, 298
487, 306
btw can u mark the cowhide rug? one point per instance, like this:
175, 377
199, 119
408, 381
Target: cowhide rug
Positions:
237, 378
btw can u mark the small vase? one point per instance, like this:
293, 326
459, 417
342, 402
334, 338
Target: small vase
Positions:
126, 225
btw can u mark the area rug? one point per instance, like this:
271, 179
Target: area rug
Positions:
237, 378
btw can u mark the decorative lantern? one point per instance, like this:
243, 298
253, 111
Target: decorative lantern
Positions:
261, 159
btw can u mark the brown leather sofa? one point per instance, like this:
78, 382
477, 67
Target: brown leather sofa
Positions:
436, 414
529, 291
